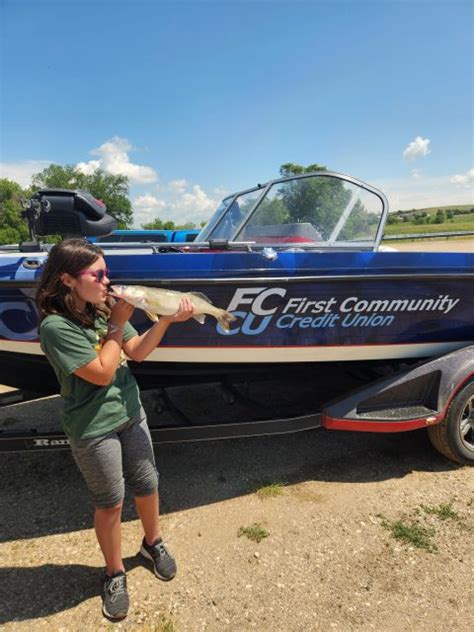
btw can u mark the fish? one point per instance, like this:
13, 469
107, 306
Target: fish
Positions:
163, 302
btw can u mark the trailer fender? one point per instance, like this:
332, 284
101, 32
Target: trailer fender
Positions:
417, 397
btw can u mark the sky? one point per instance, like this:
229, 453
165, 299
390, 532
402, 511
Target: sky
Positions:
193, 100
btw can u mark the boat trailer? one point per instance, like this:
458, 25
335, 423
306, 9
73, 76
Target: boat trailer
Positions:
437, 394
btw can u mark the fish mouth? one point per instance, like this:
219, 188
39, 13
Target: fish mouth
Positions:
114, 291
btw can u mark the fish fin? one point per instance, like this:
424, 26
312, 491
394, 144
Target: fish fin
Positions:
201, 318
224, 319
201, 295
152, 317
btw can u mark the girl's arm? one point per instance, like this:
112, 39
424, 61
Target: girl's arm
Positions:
140, 347
102, 369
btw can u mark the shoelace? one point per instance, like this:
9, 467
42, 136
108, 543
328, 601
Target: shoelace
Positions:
116, 585
161, 552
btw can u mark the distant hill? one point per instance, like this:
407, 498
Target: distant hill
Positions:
464, 208
435, 219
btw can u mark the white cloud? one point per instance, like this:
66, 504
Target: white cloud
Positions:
417, 148
176, 205
23, 171
148, 203
146, 208
408, 193
114, 159
221, 192
465, 178
178, 186
88, 168
416, 174
198, 200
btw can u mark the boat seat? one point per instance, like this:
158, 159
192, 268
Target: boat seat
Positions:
303, 232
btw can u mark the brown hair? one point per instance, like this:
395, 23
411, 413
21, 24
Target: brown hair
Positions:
53, 296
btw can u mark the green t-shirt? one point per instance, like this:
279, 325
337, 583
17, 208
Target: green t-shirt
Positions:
89, 410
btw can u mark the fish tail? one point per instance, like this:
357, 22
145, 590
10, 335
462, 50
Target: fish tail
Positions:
224, 319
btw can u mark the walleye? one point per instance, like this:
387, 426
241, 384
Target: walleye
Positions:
156, 301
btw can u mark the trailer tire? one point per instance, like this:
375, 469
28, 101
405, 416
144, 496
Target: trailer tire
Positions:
454, 436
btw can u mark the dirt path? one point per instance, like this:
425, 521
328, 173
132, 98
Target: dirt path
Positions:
432, 245
328, 562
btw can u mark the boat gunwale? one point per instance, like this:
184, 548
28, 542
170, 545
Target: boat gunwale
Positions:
22, 283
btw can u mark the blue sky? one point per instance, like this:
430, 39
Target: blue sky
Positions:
193, 100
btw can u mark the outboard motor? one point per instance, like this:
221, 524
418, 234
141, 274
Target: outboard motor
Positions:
65, 212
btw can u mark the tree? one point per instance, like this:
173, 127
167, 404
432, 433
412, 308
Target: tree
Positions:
13, 228
440, 217
111, 189
393, 219
319, 201
292, 169
158, 224
271, 211
420, 218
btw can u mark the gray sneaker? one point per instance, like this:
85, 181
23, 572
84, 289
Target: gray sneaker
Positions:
164, 565
115, 596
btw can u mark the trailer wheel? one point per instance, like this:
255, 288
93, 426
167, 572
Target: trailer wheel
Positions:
454, 436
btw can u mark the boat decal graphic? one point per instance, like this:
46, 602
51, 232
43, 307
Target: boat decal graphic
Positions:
258, 308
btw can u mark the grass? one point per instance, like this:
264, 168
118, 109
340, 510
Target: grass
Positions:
464, 219
406, 228
254, 532
411, 533
165, 624
444, 511
270, 490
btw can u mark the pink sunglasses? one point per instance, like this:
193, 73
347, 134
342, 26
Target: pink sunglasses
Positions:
98, 274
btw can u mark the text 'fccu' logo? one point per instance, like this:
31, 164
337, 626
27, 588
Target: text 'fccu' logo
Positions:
262, 308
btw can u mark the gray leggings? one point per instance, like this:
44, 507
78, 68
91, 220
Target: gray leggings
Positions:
125, 454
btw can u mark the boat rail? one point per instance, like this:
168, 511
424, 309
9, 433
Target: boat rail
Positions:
457, 233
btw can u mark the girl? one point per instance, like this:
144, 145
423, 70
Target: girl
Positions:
84, 338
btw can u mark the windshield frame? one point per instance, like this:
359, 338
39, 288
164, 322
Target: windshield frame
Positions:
328, 244
216, 220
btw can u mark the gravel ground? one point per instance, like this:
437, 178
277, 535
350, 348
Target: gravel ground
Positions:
329, 561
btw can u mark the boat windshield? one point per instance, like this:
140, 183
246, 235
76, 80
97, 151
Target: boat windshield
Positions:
229, 216
324, 210
211, 224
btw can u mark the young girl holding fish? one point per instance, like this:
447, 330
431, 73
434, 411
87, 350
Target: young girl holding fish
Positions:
85, 338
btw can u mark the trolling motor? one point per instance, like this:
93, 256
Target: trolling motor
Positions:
65, 212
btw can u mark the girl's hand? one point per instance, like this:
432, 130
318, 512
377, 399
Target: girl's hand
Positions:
121, 312
185, 312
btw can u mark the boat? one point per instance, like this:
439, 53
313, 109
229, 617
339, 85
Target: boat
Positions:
297, 260
147, 235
